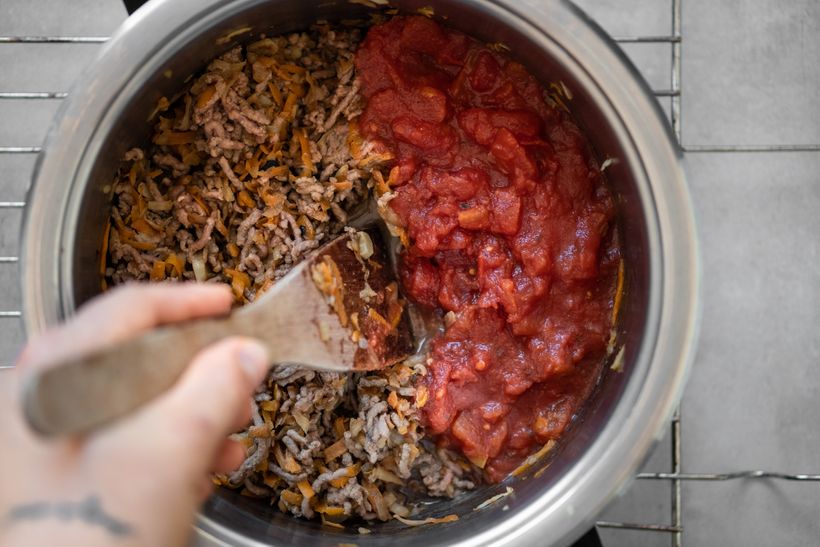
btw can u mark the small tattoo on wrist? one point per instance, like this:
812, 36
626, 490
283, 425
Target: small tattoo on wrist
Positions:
88, 510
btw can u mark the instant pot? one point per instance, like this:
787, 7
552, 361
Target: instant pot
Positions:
165, 41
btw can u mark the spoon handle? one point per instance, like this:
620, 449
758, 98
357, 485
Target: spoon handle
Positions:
88, 391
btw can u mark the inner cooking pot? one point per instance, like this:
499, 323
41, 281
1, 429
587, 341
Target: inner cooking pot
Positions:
166, 41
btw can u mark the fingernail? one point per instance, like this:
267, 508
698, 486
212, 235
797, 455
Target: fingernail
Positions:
253, 358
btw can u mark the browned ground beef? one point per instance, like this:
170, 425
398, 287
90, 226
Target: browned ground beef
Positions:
255, 164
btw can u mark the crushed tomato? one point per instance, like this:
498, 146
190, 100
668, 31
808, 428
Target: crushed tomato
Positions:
511, 228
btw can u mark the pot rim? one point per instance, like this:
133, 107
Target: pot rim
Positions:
561, 30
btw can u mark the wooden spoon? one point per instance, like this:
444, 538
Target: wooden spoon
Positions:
338, 310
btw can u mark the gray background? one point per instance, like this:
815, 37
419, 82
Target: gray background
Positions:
749, 99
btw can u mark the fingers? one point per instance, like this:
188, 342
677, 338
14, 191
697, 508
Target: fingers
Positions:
124, 312
140, 306
208, 402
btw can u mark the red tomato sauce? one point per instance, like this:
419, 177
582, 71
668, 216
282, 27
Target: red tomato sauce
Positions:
510, 227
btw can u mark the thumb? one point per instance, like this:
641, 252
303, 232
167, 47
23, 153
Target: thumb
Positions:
209, 402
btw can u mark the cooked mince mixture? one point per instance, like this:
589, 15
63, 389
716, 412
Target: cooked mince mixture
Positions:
508, 243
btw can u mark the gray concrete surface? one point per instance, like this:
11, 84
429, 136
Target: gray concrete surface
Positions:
750, 76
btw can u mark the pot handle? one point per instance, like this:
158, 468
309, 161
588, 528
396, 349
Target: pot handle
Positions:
133, 5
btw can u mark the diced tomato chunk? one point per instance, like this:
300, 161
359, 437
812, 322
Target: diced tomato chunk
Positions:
427, 103
511, 157
421, 281
506, 212
475, 122
486, 72
425, 135
422, 35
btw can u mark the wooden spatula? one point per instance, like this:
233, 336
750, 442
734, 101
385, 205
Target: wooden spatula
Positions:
337, 310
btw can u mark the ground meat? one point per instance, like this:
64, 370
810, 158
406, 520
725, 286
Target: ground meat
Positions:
256, 164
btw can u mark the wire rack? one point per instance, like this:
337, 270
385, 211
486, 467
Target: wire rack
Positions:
674, 528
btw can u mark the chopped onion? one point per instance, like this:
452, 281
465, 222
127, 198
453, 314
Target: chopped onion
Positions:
492, 500
607, 163
356, 426
374, 496
618, 362
365, 245
160, 205
367, 293
431, 520
533, 458
302, 420
198, 263
382, 474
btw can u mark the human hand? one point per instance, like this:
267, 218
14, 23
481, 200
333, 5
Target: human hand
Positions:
137, 481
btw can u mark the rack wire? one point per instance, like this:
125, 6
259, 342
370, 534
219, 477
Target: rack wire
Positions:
675, 40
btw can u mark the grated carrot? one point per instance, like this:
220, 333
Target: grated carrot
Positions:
354, 140
328, 279
245, 199
339, 483
104, 248
142, 226
271, 480
619, 292
277, 171
533, 458
175, 137
350, 471
290, 464
335, 450
275, 93
269, 406
240, 281
304, 144
176, 263
306, 225
342, 185
206, 95
305, 488
291, 497
339, 427
289, 110
378, 318
330, 510
158, 271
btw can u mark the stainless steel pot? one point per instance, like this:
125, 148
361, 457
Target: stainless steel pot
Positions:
164, 42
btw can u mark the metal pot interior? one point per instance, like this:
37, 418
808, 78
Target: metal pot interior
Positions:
232, 517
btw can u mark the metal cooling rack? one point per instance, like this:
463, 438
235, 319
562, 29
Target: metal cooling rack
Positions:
674, 528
